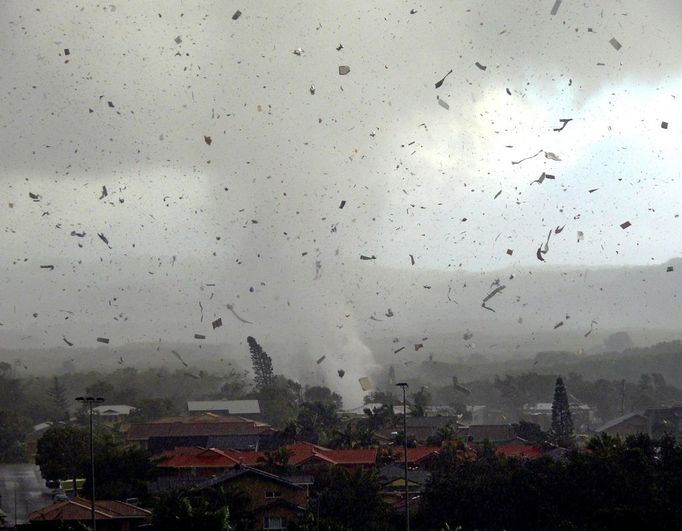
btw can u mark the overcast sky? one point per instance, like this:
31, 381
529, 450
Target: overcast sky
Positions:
216, 154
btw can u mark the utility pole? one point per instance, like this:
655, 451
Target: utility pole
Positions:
622, 398
90, 400
404, 386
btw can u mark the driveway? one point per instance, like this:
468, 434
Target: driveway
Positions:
24, 481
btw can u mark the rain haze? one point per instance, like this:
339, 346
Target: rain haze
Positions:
175, 166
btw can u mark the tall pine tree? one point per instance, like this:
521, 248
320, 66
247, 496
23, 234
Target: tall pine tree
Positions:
262, 364
57, 394
562, 422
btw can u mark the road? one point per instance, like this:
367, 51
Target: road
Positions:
31, 493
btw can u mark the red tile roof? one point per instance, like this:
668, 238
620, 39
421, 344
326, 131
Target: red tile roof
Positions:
79, 509
414, 455
519, 450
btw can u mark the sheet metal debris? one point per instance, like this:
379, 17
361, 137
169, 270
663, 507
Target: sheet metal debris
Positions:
199, 336
320, 360
341, 373
443, 104
526, 158
175, 353
343, 204
343, 70
208, 140
236, 15
104, 340
217, 323
558, 325
231, 308
490, 295
439, 83
366, 384
67, 341
625, 225
664, 125
555, 8
104, 192
563, 121
614, 42
552, 156
364, 257
480, 66
591, 328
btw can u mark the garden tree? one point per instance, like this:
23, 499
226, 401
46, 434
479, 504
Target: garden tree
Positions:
562, 423
178, 510
527, 388
262, 364
529, 431
353, 435
380, 397
234, 386
420, 401
57, 394
320, 393
12, 430
444, 434
276, 461
102, 389
349, 499
63, 453
122, 471
151, 409
317, 420
279, 400
378, 417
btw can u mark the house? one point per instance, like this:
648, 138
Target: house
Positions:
113, 414
275, 501
419, 457
584, 416
630, 424
392, 481
419, 428
110, 515
494, 433
207, 430
225, 407
518, 450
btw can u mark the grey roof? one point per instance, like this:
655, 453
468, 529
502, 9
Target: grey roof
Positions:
113, 410
246, 470
614, 422
234, 407
392, 472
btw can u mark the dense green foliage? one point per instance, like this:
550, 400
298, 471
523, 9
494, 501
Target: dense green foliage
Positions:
617, 485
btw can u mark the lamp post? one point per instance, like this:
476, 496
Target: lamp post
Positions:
404, 386
89, 400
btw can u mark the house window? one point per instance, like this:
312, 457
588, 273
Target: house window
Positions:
272, 494
274, 522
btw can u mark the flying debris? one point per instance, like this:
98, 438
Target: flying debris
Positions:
417, 346
555, 8
591, 328
298, 51
103, 238
366, 384
343, 70
208, 140
217, 323
389, 313
498, 194
343, 204
467, 335
480, 66
526, 158
341, 373
180, 358
312, 89
490, 295
510, 252
35, 197
236, 15
439, 83
443, 104
563, 121
581, 235
669, 269
625, 225
50, 267
78, 234
67, 341
104, 340
559, 229
320, 360
104, 192
664, 125
559, 324
542, 177
231, 308
412, 259
363, 257
375, 319
614, 42
552, 156
199, 336
398, 350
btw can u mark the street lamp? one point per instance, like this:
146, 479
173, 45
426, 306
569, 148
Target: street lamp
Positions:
89, 400
404, 386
